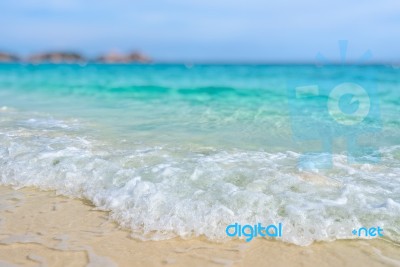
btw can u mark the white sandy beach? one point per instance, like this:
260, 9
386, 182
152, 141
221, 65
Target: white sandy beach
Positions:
42, 229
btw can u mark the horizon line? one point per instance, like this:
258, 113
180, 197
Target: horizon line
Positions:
190, 63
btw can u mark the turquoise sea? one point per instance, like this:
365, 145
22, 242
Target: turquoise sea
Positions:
185, 150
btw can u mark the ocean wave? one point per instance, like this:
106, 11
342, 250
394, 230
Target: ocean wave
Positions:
165, 191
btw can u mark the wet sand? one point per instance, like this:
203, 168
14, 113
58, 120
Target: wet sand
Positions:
39, 228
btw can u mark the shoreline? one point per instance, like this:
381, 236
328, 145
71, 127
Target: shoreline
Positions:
40, 228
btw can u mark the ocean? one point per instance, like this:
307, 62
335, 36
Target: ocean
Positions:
186, 150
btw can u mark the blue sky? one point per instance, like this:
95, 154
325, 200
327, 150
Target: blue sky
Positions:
204, 30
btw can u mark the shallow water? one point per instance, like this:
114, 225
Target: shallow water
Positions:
172, 150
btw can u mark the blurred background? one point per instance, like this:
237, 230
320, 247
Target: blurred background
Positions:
202, 31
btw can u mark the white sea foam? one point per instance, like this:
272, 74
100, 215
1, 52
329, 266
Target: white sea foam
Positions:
162, 191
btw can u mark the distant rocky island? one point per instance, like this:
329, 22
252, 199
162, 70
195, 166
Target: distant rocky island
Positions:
56, 57
6, 57
75, 58
123, 58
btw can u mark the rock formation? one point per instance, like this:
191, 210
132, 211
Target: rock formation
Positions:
123, 58
71, 57
57, 57
6, 57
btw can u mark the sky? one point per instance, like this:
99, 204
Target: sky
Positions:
204, 30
